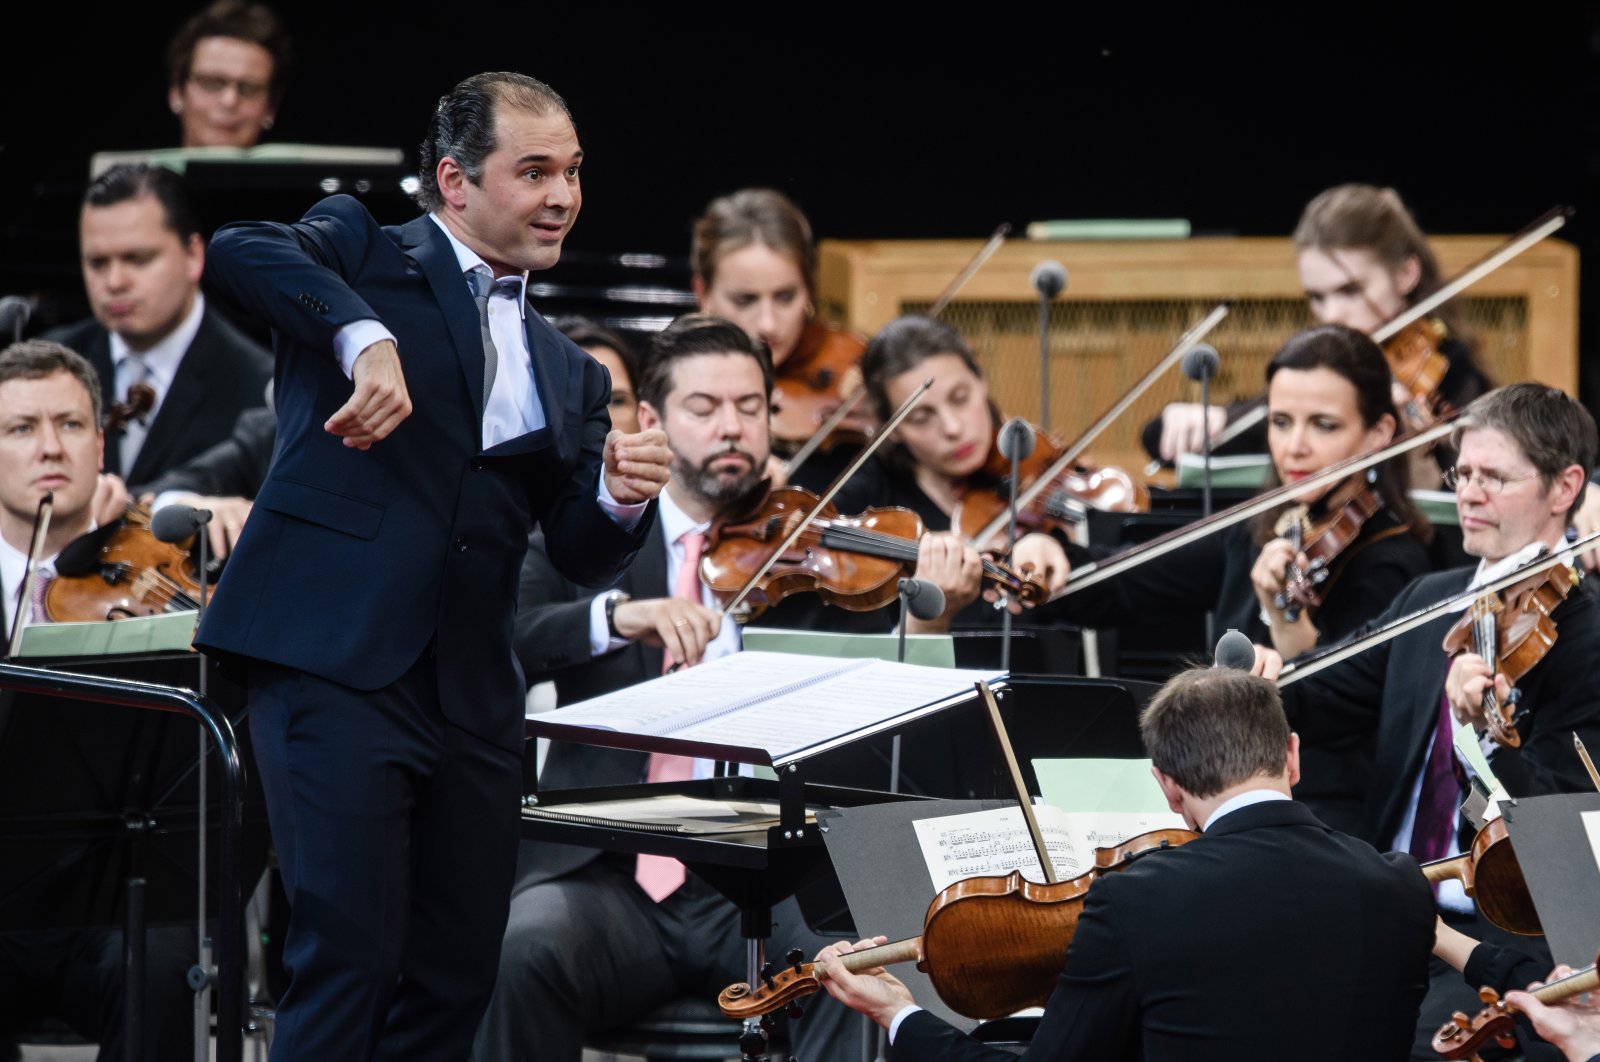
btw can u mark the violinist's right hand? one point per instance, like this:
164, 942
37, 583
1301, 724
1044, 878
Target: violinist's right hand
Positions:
682, 628
944, 559
877, 994
111, 499
380, 400
1268, 665
1184, 426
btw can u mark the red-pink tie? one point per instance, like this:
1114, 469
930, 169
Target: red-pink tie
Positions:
660, 876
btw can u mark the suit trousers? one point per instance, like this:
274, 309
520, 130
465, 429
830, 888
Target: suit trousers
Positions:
591, 951
396, 838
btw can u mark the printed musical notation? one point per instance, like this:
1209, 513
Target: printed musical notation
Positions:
996, 842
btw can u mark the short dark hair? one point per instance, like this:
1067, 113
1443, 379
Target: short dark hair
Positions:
1553, 430
463, 125
691, 335
588, 333
1210, 728
256, 23
34, 359
753, 215
902, 345
130, 180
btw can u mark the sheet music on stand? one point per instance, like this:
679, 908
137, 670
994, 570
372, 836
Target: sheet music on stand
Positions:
766, 708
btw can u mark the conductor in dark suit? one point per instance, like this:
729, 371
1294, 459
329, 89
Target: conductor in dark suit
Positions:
1269, 937
372, 590
143, 256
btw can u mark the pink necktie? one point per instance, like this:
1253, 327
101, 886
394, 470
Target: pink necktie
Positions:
41, 583
660, 876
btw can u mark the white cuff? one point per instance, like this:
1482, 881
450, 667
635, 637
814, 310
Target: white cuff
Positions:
600, 640
626, 516
353, 338
905, 1012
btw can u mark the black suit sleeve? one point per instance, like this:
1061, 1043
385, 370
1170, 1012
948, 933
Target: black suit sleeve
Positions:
551, 628
235, 467
923, 1037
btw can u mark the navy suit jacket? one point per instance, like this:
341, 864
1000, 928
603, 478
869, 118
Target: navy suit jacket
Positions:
353, 563
1269, 937
223, 373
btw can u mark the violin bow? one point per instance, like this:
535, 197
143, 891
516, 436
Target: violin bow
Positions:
853, 400
998, 725
1462, 1036
41, 528
1098, 572
1547, 223
1186, 342
1588, 764
1544, 562
844, 477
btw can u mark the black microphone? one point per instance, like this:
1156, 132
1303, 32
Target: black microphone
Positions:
1049, 279
923, 599
1201, 362
174, 523
1016, 439
1235, 650
14, 313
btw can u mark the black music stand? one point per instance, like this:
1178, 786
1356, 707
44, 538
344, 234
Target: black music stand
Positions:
99, 810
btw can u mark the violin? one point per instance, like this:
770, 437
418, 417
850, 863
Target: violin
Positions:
822, 372
1060, 503
141, 399
1463, 1037
1512, 630
1419, 368
854, 562
119, 571
990, 945
1345, 511
1491, 875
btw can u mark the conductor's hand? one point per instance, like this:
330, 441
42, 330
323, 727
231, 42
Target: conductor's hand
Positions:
878, 995
1572, 1025
1185, 425
1464, 686
638, 465
682, 628
380, 401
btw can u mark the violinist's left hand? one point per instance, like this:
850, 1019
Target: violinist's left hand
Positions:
111, 499
877, 994
1040, 556
1463, 687
637, 466
954, 567
1270, 573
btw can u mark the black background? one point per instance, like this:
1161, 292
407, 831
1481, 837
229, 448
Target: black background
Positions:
893, 122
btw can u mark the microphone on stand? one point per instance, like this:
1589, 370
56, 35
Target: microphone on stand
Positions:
1234, 650
174, 523
14, 313
1201, 363
1049, 280
1015, 442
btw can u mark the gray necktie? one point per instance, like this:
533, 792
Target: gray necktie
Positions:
484, 287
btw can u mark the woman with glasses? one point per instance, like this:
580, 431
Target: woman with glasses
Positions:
226, 70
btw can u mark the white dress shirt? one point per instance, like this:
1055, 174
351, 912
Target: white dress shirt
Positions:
161, 363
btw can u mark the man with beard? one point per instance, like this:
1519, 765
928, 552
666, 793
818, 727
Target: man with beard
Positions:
596, 939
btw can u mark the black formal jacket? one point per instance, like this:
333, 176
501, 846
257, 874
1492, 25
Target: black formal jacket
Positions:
233, 468
222, 374
1393, 691
1270, 937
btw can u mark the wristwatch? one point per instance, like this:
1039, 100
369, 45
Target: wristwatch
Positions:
613, 599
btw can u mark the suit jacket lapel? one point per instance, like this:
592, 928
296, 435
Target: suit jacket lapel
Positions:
431, 250
183, 400
647, 578
549, 367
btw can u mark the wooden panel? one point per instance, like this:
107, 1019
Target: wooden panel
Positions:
1126, 304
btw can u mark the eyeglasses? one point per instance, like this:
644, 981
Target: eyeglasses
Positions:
214, 85
1488, 482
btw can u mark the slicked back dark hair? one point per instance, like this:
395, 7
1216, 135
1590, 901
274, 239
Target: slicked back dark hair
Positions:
35, 359
463, 125
1210, 728
689, 336
130, 180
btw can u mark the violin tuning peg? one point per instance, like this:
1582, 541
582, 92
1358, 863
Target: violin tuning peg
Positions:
794, 1012
767, 972
795, 957
1461, 1020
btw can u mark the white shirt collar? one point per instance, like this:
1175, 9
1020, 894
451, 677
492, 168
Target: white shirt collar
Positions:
1488, 572
1242, 800
164, 357
675, 523
470, 260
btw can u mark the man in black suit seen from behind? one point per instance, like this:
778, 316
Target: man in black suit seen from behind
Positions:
588, 945
142, 254
1247, 943
427, 419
